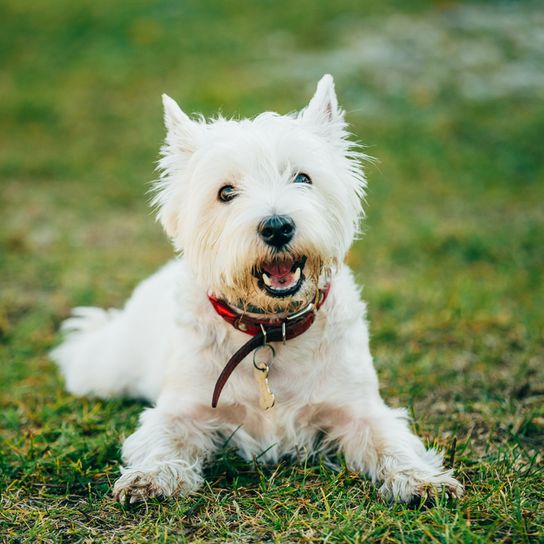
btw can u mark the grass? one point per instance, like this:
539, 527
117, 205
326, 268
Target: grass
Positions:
451, 258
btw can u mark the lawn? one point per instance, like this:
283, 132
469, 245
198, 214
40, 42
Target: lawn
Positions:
448, 96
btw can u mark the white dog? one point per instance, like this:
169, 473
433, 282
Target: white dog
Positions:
264, 211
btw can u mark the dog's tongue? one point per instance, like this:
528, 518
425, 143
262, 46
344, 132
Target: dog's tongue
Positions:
278, 268
279, 272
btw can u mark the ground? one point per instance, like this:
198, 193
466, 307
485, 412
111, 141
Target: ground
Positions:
448, 98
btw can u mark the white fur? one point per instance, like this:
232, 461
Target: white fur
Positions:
168, 345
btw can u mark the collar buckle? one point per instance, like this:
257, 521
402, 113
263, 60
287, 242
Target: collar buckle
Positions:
300, 313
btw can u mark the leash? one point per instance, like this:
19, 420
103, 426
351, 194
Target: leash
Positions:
263, 332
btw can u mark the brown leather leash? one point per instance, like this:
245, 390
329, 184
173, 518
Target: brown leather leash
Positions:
263, 332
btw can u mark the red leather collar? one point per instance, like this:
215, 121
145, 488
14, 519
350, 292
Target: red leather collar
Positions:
254, 326
263, 331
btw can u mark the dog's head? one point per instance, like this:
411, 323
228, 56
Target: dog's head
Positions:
263, 208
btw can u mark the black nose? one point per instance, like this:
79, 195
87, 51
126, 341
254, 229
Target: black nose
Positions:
277, 230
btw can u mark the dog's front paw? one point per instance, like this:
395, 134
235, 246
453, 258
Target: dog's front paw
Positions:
137, 486
413, 486
163, 481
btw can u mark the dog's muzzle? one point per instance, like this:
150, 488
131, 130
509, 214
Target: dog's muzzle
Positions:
281, 277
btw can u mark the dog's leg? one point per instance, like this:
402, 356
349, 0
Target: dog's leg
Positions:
164, 457
376, 440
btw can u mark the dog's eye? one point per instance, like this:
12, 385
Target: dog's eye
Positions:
302, 178
227, 193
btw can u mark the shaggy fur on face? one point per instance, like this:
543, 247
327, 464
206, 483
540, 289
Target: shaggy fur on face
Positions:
221, 181
259, 158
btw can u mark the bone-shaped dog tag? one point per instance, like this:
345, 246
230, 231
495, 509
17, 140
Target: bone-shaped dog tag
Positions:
266, 397
261, 369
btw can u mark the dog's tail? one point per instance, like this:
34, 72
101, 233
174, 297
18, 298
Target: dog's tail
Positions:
87, 356
87, 318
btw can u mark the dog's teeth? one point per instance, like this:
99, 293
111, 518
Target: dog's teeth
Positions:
297, 275
267, 280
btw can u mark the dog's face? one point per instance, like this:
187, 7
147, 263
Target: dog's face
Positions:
261, 208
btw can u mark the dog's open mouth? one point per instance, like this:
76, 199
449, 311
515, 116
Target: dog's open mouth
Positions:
281, 277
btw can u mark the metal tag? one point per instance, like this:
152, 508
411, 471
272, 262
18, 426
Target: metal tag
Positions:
262, 358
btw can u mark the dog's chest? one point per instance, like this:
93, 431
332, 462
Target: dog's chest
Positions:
292, 376
286, 429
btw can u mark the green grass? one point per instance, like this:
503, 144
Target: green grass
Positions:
452, 256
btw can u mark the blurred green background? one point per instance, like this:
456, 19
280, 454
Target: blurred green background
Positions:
448, 96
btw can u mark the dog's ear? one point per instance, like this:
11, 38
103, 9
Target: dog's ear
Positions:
181, 131
182, 139
322, 113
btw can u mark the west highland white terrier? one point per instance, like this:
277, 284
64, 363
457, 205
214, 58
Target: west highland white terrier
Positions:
257, 334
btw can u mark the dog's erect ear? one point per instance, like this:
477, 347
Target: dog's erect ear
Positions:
323, 112
182, 138
181, 130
